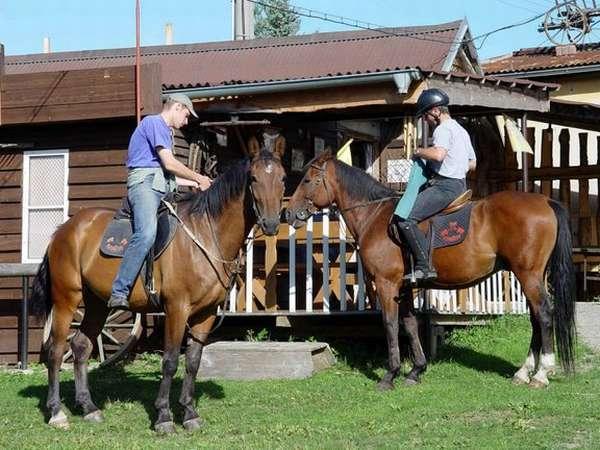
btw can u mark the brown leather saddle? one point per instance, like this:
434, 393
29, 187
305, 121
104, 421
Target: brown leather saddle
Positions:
458, 203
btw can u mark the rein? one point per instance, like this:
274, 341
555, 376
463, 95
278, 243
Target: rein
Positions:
370, 202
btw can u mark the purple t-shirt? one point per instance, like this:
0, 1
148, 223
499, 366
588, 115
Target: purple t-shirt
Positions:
152, 132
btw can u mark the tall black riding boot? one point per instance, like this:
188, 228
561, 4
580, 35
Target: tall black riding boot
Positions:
417, 243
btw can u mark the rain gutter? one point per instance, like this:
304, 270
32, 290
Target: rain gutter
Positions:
402, 79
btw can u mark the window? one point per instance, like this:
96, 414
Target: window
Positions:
45, 200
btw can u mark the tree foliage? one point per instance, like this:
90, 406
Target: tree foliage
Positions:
275, 20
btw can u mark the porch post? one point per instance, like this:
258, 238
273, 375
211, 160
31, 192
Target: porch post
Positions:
524, 154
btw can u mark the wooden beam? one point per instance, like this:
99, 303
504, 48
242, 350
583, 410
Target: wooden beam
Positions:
313, 100
547, 173
547, 137
491, 96
565, 184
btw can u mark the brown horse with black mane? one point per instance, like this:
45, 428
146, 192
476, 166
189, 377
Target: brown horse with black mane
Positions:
523, 232
191, 276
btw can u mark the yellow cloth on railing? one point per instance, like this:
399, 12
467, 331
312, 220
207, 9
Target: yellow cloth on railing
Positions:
344, 154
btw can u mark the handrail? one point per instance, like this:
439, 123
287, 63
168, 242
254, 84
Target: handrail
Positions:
18, 269
25, 271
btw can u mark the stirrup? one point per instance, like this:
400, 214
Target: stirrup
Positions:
420, 274
118, 303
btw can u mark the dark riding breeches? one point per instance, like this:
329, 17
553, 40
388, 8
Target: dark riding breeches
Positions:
438, 194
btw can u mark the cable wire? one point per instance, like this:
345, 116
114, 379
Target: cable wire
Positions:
303, 12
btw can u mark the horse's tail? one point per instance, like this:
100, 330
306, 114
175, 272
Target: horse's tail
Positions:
40, 300
562, 280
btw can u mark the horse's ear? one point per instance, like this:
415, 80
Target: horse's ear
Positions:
327, 153
253, 147
279, 149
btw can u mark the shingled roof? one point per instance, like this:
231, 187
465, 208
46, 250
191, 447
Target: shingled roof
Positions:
529, 60
260, 60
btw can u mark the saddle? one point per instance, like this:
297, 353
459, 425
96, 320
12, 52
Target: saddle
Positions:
118, 234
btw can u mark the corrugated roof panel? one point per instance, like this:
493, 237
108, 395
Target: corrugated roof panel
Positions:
542, 58
307, 56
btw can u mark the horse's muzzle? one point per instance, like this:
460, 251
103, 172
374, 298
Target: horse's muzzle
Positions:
269, 226
296, 218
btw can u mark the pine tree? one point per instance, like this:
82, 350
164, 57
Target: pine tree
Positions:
275, 21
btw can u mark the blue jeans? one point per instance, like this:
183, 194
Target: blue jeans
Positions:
438, 194
144, 203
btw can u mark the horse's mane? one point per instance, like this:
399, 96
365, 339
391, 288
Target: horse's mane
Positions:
359, 184
227, 186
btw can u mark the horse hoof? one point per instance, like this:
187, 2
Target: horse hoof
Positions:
94, 417
165, 428
385, 386
60, 421
520, 381
193, 424
538, 384
410, 382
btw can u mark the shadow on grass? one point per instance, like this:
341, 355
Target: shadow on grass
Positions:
110, 384
367, 357
370, 357
482, 362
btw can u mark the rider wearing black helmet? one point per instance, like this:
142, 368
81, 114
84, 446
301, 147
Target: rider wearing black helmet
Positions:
448, 161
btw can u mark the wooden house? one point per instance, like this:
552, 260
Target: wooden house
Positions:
66, 120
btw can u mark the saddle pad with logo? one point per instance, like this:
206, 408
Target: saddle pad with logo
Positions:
119, 231
451, 229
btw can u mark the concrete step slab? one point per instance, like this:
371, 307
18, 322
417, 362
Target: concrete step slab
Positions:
264, 360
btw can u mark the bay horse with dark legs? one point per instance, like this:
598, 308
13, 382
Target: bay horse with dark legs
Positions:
526, 233
191, 277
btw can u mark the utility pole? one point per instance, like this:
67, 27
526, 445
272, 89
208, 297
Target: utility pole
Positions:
138, 61
243, 19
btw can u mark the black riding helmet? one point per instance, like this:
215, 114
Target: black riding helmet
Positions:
430, 98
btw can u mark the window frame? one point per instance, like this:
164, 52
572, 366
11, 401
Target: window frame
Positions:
27, 156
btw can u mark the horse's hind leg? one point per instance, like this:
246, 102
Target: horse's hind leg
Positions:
198, 336
82, 345
541, 350
62, 315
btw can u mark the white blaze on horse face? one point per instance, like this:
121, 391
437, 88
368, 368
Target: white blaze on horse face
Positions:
269, 168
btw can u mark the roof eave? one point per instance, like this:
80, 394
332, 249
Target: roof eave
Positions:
548, 72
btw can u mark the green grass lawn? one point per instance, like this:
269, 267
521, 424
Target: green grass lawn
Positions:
466, 400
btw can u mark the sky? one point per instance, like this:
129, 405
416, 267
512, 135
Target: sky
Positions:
95, 24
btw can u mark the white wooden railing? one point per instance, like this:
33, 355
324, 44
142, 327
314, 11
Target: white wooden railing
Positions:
320, 247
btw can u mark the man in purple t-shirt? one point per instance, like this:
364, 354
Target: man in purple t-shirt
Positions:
152, 172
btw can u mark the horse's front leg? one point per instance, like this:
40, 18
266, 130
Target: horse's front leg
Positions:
411, 326
387, 292
197, 339
174, 329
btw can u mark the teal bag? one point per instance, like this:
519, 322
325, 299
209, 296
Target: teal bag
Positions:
416, 179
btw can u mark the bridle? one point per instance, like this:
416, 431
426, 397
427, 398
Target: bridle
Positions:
315, 183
